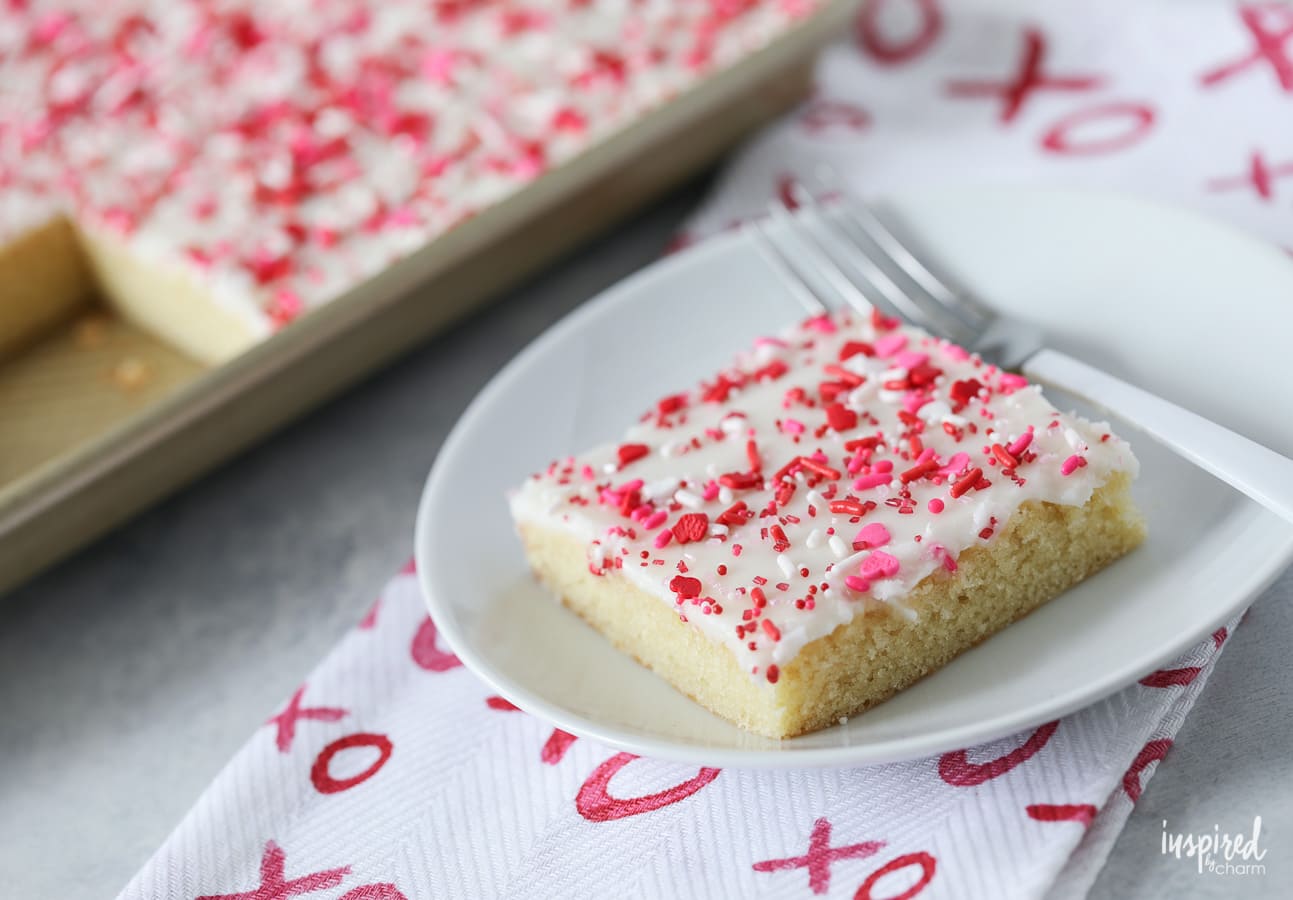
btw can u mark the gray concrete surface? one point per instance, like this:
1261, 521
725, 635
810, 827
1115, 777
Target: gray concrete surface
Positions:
129, 674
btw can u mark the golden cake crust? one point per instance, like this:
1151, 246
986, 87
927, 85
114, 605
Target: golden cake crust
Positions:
1044, 549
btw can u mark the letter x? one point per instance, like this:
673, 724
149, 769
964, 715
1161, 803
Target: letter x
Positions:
1271, 25
1027, 80
294, 712
272, 883
820, 856
1260, 177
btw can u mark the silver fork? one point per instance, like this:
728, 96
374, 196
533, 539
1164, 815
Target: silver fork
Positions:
857, 272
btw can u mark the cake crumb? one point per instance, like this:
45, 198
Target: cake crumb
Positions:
131, 374
91, 331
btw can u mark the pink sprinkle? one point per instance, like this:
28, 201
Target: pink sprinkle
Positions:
630, 486
880, 565
873, 535
935, 506
1012, 382
588, 473
1021, 443
857, 462
663, 538
822, 324
914, 400
819, 456
1072, 464
910, 359
711, 491
875, 479
792, 426
861, 585
955, 464
656, 519
769, 342
925, 455
956, 352
884, 465
940, 552
890, 344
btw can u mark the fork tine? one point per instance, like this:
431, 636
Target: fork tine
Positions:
819, 261
781, 266
938, 287
843, 245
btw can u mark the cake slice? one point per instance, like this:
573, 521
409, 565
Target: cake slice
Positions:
844, 510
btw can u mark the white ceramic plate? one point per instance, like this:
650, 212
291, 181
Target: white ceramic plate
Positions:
1184, 307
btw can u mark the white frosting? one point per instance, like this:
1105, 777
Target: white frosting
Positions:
285, 152
689, 448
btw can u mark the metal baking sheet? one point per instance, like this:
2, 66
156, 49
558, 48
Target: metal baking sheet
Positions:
103, 420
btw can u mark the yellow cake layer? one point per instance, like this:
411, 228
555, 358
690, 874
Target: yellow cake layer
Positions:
1044, 549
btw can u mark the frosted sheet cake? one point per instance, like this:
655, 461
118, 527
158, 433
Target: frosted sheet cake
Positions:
845, 509
217, 168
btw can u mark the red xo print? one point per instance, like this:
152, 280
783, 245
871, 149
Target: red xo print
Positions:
425, 652
1062, 812
1271, 26
928, 866
275, 886
320, 773
1028, 80
294, 712
820, 856
1261, 177
273, 883
956, 769
888, 50
1149, 754
554, 750
1134, 120
595, 803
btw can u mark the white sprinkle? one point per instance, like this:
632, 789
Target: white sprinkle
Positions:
732, 424
688, 499
838, 547
717, 529
816, 500
893, 375
787, 565
610, 468
887, 396
934, 411
662, 488
725, 495
814, 539
956, 421
712, 470
671, 450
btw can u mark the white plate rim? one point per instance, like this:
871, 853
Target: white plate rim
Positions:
871, 753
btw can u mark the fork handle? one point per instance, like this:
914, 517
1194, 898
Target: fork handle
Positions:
1247, 466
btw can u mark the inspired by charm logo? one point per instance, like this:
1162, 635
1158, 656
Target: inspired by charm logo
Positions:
1216, 853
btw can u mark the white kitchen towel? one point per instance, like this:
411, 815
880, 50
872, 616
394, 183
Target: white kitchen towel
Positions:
392, 772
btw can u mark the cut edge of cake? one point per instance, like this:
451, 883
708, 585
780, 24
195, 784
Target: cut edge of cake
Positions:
1043, 550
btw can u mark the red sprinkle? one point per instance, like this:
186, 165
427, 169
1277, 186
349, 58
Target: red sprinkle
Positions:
928, 467
969, 481
1005, 457
840, 417
691, 527
629, 452
771, 630
685, 586
773, 673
